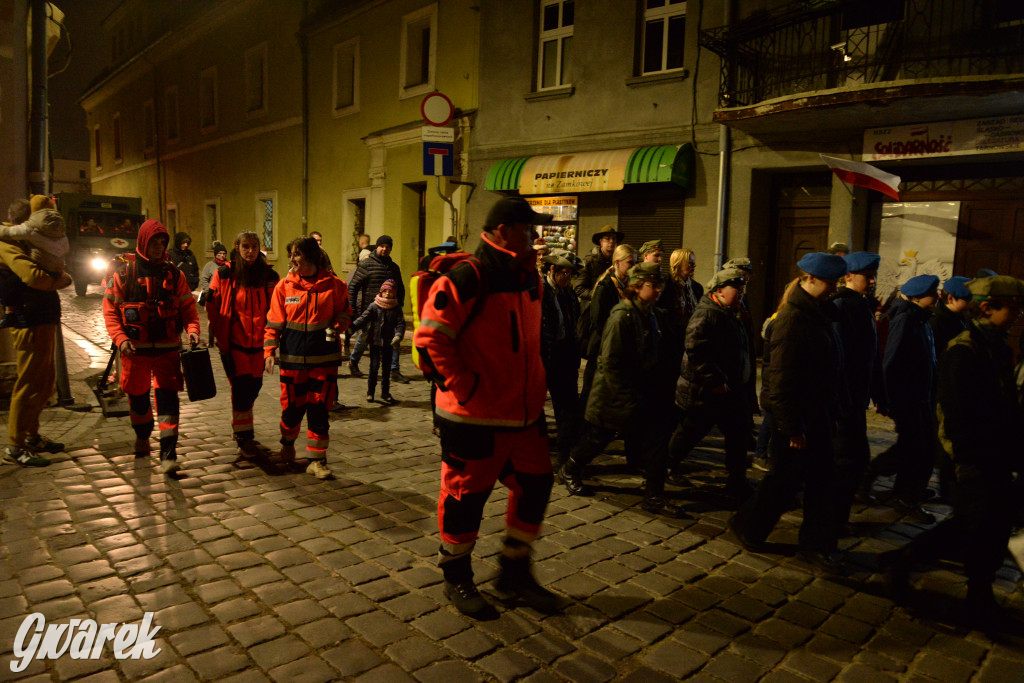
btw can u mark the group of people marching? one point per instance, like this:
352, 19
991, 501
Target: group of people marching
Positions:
662, 354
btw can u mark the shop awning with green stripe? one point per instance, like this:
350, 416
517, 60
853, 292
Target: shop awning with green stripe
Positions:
606, 170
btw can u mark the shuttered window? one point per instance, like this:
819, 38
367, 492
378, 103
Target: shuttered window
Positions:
646, 218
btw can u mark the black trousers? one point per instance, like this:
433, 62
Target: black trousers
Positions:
379, 355
813, 470
562, 381
731, 412
853, 455
912, 458
646, 438
985, 508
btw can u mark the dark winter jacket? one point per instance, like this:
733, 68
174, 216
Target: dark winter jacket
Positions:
626, 367
979, 409
369, 275
909, 361
185, 260
559, 331
946, 325
717, 352
676, 304
862, 364
383, 323
800, 384
594, 265
607, 294
28, 289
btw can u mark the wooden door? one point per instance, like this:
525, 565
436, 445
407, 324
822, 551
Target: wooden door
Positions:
802, 228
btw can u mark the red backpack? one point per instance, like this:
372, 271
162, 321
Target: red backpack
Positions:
421, 282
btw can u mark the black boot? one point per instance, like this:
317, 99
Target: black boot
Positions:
571, 475
516, 579
659, 505
459, 587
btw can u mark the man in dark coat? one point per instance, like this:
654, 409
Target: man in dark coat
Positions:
369, 275
717, 369
861, 375
597, 261
909, 370
800, 390
560, 351
980, 415
182, 257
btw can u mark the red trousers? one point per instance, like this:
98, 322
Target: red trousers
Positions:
162, 372
310, 392
473, 459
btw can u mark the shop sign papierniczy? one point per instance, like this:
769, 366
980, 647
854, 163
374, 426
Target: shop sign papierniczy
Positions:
946, 138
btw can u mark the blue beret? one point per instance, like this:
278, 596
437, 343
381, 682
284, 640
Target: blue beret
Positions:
920, 285
823, 266
985, 272
957, 287
860, 261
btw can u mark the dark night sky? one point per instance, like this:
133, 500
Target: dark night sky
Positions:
90, 51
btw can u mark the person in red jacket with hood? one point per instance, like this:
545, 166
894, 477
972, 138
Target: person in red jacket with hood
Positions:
146, 305
308, 312
480, 337
237, 307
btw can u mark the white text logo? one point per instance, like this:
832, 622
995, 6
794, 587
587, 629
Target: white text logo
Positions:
82, 639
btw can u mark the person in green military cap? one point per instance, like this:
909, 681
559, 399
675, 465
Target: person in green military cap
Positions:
650, 252
622, 400
597, 261
980, 413
717, 369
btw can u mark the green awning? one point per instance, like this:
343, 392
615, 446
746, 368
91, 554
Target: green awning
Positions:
593, 171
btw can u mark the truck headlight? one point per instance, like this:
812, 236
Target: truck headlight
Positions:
98, 264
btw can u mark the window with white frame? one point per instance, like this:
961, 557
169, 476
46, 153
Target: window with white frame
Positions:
256, 71
148, 127
419, 46
266, 211
346, 77
118, 152
96, 146
208, 100
211, 222
664, 33
171, 113
554, 63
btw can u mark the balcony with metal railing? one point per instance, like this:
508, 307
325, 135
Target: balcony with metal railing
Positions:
918, 59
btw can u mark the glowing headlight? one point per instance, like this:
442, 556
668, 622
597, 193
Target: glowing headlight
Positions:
98, 264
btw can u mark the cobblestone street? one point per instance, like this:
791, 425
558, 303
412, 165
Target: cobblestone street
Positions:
254, 574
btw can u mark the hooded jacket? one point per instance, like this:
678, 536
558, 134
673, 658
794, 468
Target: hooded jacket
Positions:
488, 372
301, 311
185, 260
909, 361
148, 302
800, 384
238, 313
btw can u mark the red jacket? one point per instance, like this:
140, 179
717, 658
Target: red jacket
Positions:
488, 372
301, 311
238, 313
148, 302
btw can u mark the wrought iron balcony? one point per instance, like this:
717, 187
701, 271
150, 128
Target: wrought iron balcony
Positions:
813, 45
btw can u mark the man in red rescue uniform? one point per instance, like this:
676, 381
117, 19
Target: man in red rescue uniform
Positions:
146, 306
480, 338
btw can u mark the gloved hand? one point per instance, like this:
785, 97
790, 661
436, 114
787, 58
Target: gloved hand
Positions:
396, 341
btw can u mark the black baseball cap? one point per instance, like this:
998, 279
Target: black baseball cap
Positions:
508, 210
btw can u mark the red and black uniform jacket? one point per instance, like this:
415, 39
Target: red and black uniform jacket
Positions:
301, 312
238, 312
485, 360
148, 302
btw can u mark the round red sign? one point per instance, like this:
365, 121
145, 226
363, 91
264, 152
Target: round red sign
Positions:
437, 109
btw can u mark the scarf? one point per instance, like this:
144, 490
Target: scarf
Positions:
385, 303
220, 261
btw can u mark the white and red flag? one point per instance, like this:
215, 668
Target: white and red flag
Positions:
864, 175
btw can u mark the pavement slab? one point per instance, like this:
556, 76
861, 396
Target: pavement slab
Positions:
257, 574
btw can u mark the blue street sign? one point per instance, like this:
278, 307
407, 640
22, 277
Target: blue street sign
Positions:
438, 158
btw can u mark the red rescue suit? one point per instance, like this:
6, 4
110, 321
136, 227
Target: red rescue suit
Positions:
150, 303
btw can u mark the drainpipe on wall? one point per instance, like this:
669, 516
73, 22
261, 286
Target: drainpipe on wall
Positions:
304, 55
724, 163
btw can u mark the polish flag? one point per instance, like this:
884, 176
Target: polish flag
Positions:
864, 175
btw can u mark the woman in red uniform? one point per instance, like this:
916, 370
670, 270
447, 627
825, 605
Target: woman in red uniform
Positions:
237, 306
146, 306
308, 312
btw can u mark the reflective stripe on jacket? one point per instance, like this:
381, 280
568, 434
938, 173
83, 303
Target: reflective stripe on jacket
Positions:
301, 311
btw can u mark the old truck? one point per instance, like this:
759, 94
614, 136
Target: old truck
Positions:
99, 228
